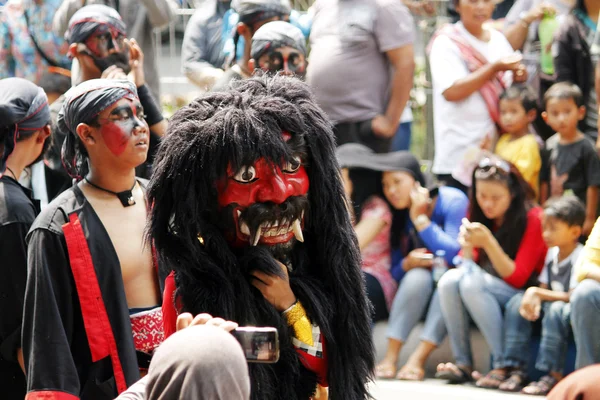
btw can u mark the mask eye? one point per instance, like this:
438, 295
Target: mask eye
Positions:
246, 174
293, 165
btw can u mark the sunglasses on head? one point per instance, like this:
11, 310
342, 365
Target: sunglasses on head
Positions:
278, 62
492, 167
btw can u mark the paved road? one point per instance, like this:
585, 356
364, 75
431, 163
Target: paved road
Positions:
436, 389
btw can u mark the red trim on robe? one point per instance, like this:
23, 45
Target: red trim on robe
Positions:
168, 306
318, 365
98, 329
50, 395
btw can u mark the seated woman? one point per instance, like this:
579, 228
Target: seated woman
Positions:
424, 222
373, 219
503, 253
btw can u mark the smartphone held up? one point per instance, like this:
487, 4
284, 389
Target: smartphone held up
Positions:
260, 344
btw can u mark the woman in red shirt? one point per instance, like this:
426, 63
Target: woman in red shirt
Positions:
503, 252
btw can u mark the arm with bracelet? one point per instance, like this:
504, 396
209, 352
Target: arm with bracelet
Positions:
308, 341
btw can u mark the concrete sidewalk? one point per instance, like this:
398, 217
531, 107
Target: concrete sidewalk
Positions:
437, 389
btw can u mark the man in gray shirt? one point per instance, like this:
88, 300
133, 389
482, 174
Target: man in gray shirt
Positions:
361, 67
140, 16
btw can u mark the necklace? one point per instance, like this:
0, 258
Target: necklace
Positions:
126, 196
11, 172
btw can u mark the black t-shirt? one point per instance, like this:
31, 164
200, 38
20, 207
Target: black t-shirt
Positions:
572, 167
17, 213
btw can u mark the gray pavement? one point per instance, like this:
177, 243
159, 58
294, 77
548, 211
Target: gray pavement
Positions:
436, 389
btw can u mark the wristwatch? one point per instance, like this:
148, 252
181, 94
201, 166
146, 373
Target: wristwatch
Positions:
421, 222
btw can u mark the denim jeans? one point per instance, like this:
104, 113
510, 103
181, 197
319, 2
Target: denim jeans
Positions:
469, 291
585, 320
401, 140
416, 291
517, 333
556, 329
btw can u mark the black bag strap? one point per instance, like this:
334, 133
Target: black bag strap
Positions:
50, 61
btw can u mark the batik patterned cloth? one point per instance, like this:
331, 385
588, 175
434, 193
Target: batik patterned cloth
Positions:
147, 327
18, 55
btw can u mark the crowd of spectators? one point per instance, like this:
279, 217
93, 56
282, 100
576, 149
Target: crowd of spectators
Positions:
510, 199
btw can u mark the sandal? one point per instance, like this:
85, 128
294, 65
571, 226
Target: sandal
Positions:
454, 374
410, 373
541, 387
516, 381
492, 380
385, 371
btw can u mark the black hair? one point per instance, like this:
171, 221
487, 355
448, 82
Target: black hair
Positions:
73, 154
523, 93
510, 234
366, 183
9, 130
564, 91
568, 209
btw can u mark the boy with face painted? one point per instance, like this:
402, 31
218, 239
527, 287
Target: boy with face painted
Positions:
253, 14
91, 315
279, 46
97, 38
249, 213
24, 130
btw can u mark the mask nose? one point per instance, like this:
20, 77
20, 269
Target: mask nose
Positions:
274, 190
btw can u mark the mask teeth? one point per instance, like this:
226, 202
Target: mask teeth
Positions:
298, 230
256, 238
244, 228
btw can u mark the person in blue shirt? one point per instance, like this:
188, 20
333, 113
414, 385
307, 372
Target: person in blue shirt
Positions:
424, 222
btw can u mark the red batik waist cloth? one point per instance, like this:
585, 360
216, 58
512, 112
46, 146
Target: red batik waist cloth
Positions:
147, 327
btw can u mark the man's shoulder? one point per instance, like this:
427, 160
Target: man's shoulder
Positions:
56, 214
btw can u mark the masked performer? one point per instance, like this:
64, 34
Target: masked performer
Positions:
92, 312
248, 211
24, 129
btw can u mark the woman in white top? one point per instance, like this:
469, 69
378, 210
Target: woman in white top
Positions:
471, 65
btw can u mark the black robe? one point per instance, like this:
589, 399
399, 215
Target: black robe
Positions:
17, 212
77, 337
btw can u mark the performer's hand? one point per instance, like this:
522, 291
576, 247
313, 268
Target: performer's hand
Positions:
136, 62
186, 319
276, 290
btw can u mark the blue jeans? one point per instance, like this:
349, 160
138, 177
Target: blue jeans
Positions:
401, 140
416, 291
585, 320
517, 333
469, 291
556, 329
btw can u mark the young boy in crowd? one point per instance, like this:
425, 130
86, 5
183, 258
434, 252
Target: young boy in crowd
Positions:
573, 165
517, 144
562, 223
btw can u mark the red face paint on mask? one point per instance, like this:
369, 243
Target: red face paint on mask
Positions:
118, 127
262, 182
